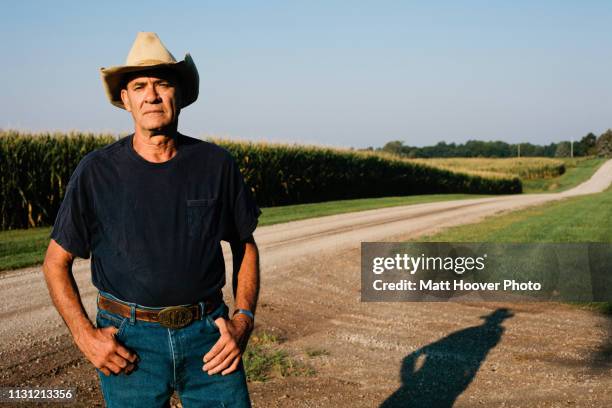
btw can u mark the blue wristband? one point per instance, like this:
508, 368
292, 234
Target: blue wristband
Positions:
245, 312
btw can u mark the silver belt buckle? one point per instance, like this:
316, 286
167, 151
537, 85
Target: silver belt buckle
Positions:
175, 317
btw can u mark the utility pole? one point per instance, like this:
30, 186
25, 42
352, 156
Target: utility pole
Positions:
572, 148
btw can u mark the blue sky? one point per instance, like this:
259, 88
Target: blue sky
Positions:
323, 72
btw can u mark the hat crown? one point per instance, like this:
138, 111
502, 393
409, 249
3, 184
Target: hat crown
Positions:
147, 53
147, 49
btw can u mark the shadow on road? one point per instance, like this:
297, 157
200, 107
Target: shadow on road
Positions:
435, 375
601, 358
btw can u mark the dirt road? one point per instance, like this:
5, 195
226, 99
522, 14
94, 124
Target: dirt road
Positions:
394, 354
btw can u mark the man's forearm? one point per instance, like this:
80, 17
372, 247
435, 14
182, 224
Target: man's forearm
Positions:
66, 298
246, 278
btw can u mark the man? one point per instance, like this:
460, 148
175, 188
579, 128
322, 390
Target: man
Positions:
151, 209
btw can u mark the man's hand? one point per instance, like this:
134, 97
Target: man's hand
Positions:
225, 355
98, 345
102, 349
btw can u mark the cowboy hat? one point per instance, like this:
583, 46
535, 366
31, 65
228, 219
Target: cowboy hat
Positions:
147, 53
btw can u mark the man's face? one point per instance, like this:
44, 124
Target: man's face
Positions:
153, 98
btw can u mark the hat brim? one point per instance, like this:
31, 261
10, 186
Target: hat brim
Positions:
112, 79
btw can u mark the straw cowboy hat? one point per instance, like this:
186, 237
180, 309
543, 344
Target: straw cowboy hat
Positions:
148, 52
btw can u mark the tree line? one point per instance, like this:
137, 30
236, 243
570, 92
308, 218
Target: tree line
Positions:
589, 145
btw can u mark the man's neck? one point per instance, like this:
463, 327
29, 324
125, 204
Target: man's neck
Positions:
156, 147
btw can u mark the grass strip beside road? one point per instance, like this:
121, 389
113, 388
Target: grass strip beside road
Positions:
23, 247
276, 215
577, 219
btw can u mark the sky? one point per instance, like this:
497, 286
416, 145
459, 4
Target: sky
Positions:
346, 74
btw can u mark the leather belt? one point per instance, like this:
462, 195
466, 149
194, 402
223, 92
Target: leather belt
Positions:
173, 317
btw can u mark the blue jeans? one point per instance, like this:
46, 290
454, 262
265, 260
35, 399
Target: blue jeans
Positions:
170, 359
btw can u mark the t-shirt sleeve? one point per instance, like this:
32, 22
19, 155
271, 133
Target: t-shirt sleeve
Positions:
71, 229
242, 212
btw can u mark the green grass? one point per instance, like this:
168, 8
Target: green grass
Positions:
264, 360
21, 248
275, 215
578, 219
577, 171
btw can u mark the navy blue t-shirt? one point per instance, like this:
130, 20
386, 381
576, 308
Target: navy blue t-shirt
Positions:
154, 229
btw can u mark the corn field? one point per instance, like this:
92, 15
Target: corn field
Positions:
35, 169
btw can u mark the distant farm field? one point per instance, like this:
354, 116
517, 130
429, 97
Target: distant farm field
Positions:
537, 174
577, 170
526, 168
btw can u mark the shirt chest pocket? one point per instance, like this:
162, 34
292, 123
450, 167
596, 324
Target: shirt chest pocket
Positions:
201, 217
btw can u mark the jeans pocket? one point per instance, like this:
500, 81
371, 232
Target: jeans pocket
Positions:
106, 319
200, 217
211, 322
221, 311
